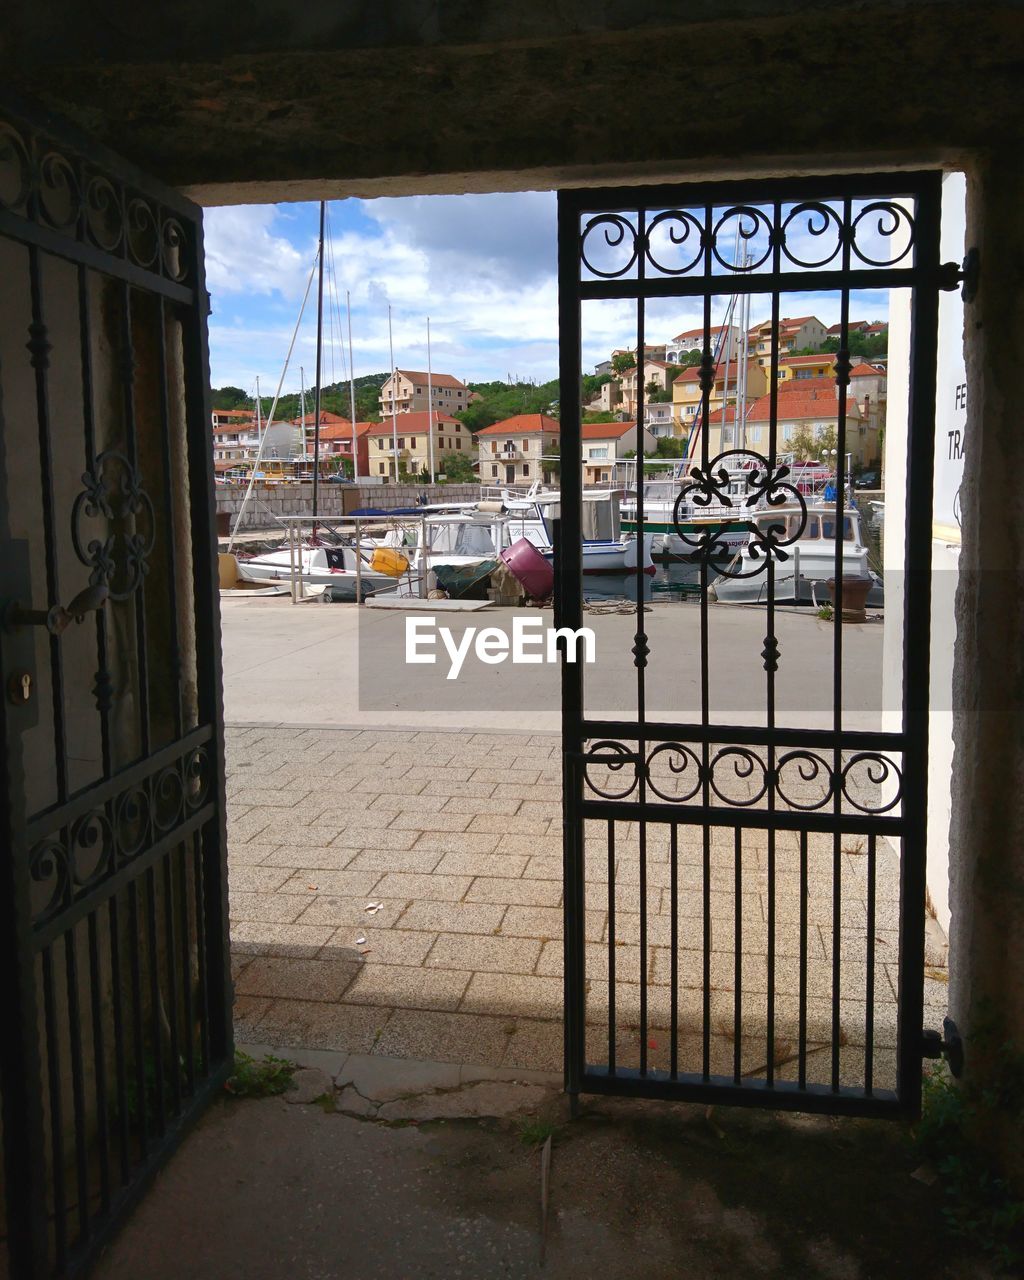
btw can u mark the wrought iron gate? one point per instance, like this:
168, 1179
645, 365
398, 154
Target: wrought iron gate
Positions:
744, 895
113, 922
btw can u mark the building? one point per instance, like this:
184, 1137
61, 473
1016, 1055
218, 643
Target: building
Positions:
693, 340
658, 419
811, 407
658, 372
795, 334
408, 388
800, 368
868, 386
606, 442
235, 438
414, 428
514, 451
687, 396
336, 443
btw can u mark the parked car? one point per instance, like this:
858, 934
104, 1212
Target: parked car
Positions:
866, 480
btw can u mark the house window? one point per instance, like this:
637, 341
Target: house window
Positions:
787, 431
510, 446
601, 452
401, 443
381, 468
412, 443
494, 470
526, 468
754, 435
494, 446
526, 446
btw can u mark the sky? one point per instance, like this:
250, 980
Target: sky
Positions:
482, 267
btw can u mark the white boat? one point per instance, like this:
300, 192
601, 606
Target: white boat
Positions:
810, 561
317, 566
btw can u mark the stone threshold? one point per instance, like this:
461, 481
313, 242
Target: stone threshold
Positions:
372, 1087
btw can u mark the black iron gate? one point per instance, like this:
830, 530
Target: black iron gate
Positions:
113, 922
744, 882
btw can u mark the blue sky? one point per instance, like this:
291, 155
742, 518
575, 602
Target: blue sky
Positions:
482, 267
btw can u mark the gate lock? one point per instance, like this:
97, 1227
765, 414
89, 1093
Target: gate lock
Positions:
58, 618
948, 1045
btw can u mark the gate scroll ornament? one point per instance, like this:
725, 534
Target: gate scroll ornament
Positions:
115, 504
709, 486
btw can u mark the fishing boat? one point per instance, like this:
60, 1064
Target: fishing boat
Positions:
810, 560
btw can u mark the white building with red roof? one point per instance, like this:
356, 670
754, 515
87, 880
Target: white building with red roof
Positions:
518, 450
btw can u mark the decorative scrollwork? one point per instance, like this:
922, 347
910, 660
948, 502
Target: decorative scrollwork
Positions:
678, 760
811, 771
15, 169
114, 832
748, 229
809, 221
892, 220
59, 192
49, 865
620, 237
104, 216
143, 233
44, 181
739, 776
879, 770
669, 237
113, 499
619, 756
808, 236
731, 492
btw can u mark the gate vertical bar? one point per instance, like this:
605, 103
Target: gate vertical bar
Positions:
569, 603
924, 324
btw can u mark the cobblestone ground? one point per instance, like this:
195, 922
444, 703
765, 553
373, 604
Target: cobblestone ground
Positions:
458, 838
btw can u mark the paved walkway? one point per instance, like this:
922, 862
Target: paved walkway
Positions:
457, 837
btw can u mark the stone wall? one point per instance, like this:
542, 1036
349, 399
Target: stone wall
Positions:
269, 503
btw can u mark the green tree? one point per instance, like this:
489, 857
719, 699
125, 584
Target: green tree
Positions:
230, 398
601, 415
551, 461
457, 468
690, 358
671, 447
623, 360
809, 446
592, 384
660, 395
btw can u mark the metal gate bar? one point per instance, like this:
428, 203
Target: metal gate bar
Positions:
113, 914
852, 765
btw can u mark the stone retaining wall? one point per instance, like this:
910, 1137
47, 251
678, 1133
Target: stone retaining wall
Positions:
269, 503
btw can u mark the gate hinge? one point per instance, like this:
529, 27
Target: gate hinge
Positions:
948, 1045
950, 275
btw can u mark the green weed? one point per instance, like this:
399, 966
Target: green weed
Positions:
262, 1078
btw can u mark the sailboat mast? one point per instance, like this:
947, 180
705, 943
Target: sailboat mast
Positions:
319, 360
394, 397
302, 408
351, 386
430, 404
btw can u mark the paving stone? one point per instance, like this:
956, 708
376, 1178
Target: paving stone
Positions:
385, 1079
515, 824
248, 1013
458, 841
535, 791
272, 907
444, 1037
533, 922
333, 910
382, 861
407, 987
418, 822
452, 787
503, 865
432, 887
397, 803
261, 938
271, 797
354, 1028
519, 995
384, 946
492, 955
248, 853
544, 868
453, 917
296, 979
352, 882
385, 838
515, 892
532, 845
509, 777
256, 880
477, 804
243, 825
281, 827
536, 1046
306, 856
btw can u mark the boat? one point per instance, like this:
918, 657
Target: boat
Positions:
316, 566
809, 564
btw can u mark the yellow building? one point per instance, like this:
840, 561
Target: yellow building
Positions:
413, 429
686, 392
